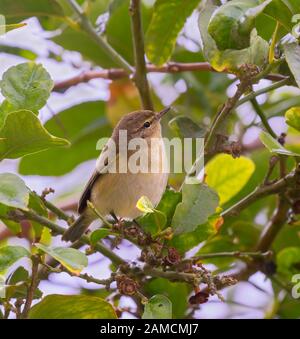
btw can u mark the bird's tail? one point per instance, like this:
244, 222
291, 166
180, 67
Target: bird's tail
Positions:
75, 231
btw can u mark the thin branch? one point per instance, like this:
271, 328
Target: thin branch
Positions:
261, 192
236, 254
118, 73
33, 286
263, 118
140, 75
89, 29
252, 95
270, 232
84, 239
58, 212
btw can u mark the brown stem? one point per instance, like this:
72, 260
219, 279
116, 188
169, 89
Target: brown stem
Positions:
262, 191
118, 73
270, 232
140, 75
33, 285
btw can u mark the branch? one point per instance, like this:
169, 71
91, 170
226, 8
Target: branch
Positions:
89, 29
140, 75
84, 239
33, 285
290, 179
263, 118
270, 232
262, 91
118, 73
236, 254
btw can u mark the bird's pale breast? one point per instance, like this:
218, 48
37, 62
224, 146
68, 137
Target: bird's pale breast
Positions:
119, 192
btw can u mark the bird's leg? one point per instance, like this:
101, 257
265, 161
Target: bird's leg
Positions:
119, 222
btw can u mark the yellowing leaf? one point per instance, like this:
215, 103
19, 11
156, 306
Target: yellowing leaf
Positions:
145, 205
228, 175
292, 117
72, 307
74, 260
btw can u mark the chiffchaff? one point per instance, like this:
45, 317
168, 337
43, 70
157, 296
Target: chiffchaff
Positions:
117, 193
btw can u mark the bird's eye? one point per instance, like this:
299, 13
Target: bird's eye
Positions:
147, 124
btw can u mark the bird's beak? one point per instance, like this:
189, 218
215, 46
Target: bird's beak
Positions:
160, 114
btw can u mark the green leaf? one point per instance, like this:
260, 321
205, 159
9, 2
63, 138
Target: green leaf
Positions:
26, 86
292, 117
82, 125
227, 175
162, 216
23, 134
231, 24
274, 146
288, 261
158, 307
11, 254
282, 11
199, 202
100, 234
167, 21
72, 307
292, 56
230, 59
186, 127
176, 292
13, 226
19, 275
74, 260
120, 36
145, 205
186, 241
13, 191
24, 9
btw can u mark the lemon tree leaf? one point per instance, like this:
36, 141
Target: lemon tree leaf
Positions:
292, 117
274, 146
167, 20
74, 260
145, 205
26, 86
198, 203
13, 191
57, 306
292, 56
228, 175
158, 307
23, 134
288, 261
11, 254
231, 24
100, 234
230, 59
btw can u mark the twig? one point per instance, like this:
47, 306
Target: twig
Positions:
235, 254
118, 73
84, 239
33, 285
262, 191
252, 95
270, 232
263, 118
89, 29
58, 212
140, 74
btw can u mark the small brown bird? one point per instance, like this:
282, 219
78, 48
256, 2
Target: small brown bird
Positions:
117, 193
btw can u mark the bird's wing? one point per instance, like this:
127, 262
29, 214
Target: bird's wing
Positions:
101, 169
86, 195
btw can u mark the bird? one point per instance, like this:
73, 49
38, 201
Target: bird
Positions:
116, 193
